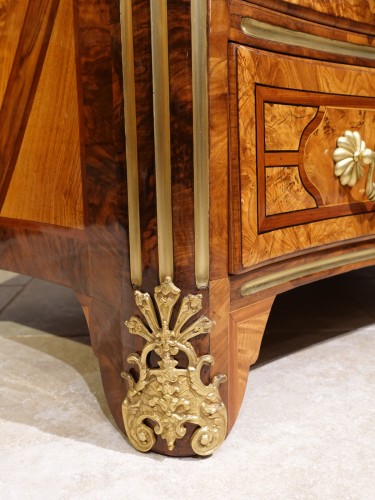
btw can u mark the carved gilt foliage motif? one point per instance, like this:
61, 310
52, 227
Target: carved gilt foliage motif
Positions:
171, 396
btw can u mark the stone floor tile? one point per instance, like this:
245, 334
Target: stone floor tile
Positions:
305, 430
7, 294
48, 307
9, 278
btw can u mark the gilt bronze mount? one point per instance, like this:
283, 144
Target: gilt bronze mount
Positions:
351, 156
170, 395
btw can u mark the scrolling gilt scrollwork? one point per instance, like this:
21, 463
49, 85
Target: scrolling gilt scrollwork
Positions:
169, 395
350, 157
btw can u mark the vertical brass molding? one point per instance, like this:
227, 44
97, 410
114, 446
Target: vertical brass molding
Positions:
160, 77
201, 146
131, 142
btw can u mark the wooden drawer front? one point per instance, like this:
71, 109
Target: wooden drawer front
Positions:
289, 113
352, 14
362, 11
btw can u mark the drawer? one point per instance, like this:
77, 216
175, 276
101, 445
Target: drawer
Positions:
362, 11
329, 12
286, 116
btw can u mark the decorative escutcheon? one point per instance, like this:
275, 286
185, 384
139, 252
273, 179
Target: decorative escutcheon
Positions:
350, 157
171, 396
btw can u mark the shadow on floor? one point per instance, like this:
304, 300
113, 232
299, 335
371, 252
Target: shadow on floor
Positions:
48, 322
319, 312
48, 319
46, 307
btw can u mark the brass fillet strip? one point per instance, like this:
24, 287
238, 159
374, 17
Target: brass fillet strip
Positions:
160, 77
281, 277
131, 143
200, 134
258, 29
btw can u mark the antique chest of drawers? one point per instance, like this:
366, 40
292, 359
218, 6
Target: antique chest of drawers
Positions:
165, 157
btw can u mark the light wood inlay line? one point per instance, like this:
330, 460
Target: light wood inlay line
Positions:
160, 77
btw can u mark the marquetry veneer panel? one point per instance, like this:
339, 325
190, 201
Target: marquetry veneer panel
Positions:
46, 184
289, 197
359, 10
11, 19
284, 125
285, 191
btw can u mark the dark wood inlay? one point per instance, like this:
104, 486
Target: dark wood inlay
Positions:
145, 136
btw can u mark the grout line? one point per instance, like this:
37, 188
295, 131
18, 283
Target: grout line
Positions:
14, 296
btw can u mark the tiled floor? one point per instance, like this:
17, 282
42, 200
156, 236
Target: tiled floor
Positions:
305, 431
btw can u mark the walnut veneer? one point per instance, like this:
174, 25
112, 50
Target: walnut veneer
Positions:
224, 175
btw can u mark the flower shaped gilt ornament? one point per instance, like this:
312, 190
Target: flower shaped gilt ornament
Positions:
171, 396
351, 156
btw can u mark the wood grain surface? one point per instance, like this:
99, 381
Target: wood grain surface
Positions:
220, 340
22, 83
63, 166
12, 16
285, 191
289, 72
145, 134
283, 125
362, 11
295, 18
65, 83
247, 327
46, 185
99, 68
180, 88
324, 140
350, 15
218, 137
315, 149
